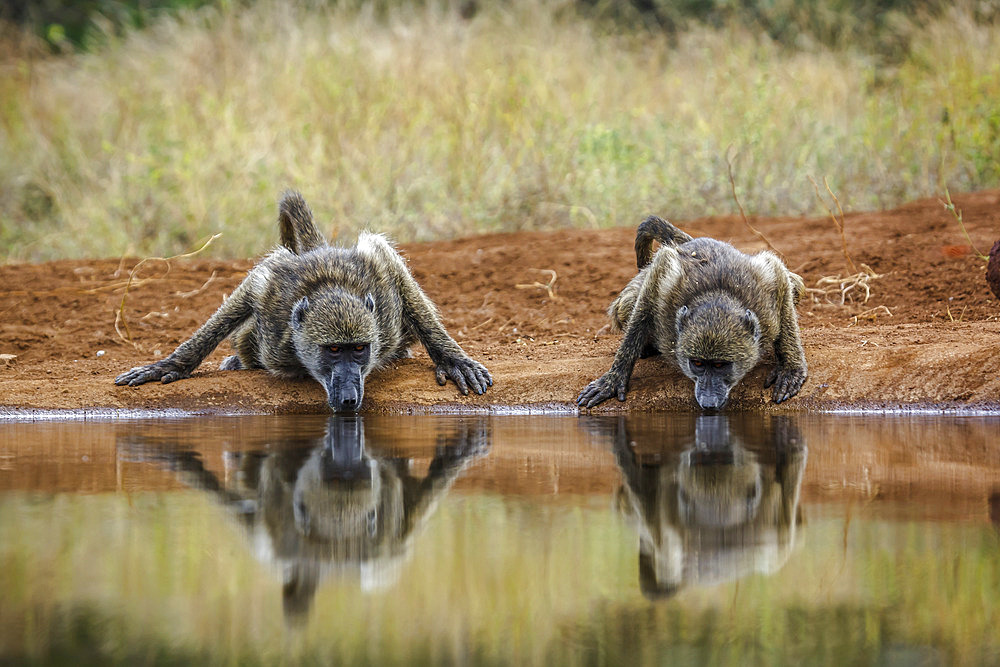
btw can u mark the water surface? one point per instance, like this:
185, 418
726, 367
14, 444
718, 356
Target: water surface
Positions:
655, 539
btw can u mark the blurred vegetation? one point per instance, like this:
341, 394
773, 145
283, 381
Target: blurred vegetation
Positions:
157, 123
146, 578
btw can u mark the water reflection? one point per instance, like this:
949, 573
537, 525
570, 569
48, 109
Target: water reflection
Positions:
711, 503
312, 507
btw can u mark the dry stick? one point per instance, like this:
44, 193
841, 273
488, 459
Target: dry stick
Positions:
120, 314
860, 278
838, 224
547, 286
958, 216
194, 292
746, 221
871, 313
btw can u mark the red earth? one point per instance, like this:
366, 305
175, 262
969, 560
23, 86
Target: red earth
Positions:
530, 306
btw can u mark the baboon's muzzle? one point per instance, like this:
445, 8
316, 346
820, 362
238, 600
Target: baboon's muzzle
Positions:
344, 394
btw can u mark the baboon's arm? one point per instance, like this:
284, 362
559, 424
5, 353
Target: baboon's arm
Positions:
625, 457
662, 279
419, 313
420, 497
189, 354
790, 371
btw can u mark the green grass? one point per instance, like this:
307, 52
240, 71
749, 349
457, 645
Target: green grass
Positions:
424, 125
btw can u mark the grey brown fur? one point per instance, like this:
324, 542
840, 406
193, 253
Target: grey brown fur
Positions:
335, 314
704, 302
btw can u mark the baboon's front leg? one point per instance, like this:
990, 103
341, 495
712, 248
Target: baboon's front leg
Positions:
472, 441
790, 371
189, 354
615, 381
661, 278
450, 360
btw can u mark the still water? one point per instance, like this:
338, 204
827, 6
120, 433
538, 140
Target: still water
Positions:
655, 539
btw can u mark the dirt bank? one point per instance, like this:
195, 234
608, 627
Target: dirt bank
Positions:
939, 347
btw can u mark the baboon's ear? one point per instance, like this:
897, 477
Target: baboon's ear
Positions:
682, 314
370, 302
752, 324
299, 313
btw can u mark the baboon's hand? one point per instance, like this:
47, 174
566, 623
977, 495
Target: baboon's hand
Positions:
165, 371
465, 372
786, 380
473, 442
608, 385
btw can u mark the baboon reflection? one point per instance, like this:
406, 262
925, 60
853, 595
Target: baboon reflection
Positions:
325, 505
712, 507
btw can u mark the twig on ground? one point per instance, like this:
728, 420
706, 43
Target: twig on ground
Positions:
871, 314
960, 315
121, 326
845, 286
957, 213
858, 279
194, 292
548, 287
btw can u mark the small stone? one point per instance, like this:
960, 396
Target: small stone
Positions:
100, 353
8, 359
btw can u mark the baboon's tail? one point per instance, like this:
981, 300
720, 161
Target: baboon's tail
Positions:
295, 224
655, 229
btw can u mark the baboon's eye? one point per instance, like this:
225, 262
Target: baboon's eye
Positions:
359, 348
335, 348
697, 362
718, 364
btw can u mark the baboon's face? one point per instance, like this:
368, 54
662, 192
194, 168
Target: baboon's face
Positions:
335, 341
716, 347
718, 487
336, 495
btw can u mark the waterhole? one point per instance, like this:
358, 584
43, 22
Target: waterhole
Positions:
654, 539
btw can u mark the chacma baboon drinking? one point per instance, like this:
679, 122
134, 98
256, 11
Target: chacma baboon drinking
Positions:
713, 308
709, 507
323, 503
335, 314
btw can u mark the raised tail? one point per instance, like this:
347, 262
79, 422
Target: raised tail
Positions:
295, 224
655, 229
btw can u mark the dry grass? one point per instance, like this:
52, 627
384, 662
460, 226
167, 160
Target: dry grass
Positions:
425, 125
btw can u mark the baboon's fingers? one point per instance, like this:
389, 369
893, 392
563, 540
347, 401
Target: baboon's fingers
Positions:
455, 373
483, 377
138, 375
787, 384
469, 374
599, 391
172, 376
440, 376
771, 377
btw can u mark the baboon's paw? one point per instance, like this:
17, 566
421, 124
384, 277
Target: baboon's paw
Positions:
787, 381
162, 370
602, 389
464, 372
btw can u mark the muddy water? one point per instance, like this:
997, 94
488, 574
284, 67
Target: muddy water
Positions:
543, 540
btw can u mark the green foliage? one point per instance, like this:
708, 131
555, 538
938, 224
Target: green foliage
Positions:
70, 24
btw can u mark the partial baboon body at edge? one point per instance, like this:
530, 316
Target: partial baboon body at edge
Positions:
716, 310
332, 313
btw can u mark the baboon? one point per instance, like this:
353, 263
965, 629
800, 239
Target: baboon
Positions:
712, 307
321, 502
336, 314
708, 508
